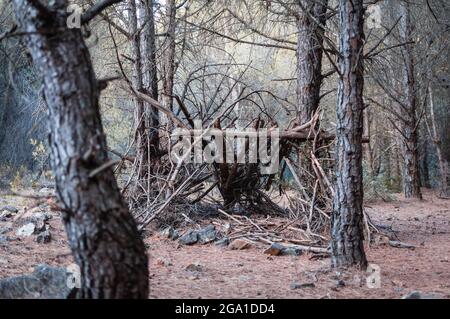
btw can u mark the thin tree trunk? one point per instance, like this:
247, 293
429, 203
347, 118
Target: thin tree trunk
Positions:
411, 172
368, 146
146, 117
140, 115
150, 78
102, 233
425, 169
444, 185
168, 60
347, 218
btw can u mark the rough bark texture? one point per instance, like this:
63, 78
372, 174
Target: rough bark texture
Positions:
310, 26
146, 117
311, 21
411, 175
347, 218
101, 232
150, 79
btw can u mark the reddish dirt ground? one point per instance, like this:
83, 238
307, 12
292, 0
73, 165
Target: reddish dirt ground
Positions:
250, 273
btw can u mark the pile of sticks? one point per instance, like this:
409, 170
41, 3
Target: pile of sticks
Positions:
270, 230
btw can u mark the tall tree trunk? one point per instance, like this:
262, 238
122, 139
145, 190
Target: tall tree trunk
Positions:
168, 49
444, 185
310, 24
411, 173
102, 233
347, 218
146, 117
311, 20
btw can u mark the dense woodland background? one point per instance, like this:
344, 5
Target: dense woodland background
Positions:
220, 42
244, 63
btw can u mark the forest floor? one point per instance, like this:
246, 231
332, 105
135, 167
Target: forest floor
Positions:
249, 273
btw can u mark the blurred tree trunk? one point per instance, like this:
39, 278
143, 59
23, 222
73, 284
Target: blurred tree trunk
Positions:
411, 173
168, 54
444, 185
424, 165
144, 79
150, 78
347, 218
368, 146
101, 232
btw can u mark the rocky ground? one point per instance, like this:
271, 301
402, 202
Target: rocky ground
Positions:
33, 236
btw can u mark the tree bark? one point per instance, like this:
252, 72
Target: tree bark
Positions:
311, 21
444, 185
144, 79
101, 232
411, 173
347, 218
310, 25
168, 60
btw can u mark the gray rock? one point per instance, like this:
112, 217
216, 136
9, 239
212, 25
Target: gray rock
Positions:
420, 295
207, 234
3, 240
6, 228
41, 216
44, 283
44, 237
26, 230
295, 285
10, 209
225, 241
203, 236
190, 238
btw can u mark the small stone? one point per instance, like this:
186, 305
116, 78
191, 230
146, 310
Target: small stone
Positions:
10, 209
274, 250
194, 268
163, 262
190, 238
295, 285
225, 241
26, 230
239, 244
340, 283
6, 228
44, 237
3, 239
3, 261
